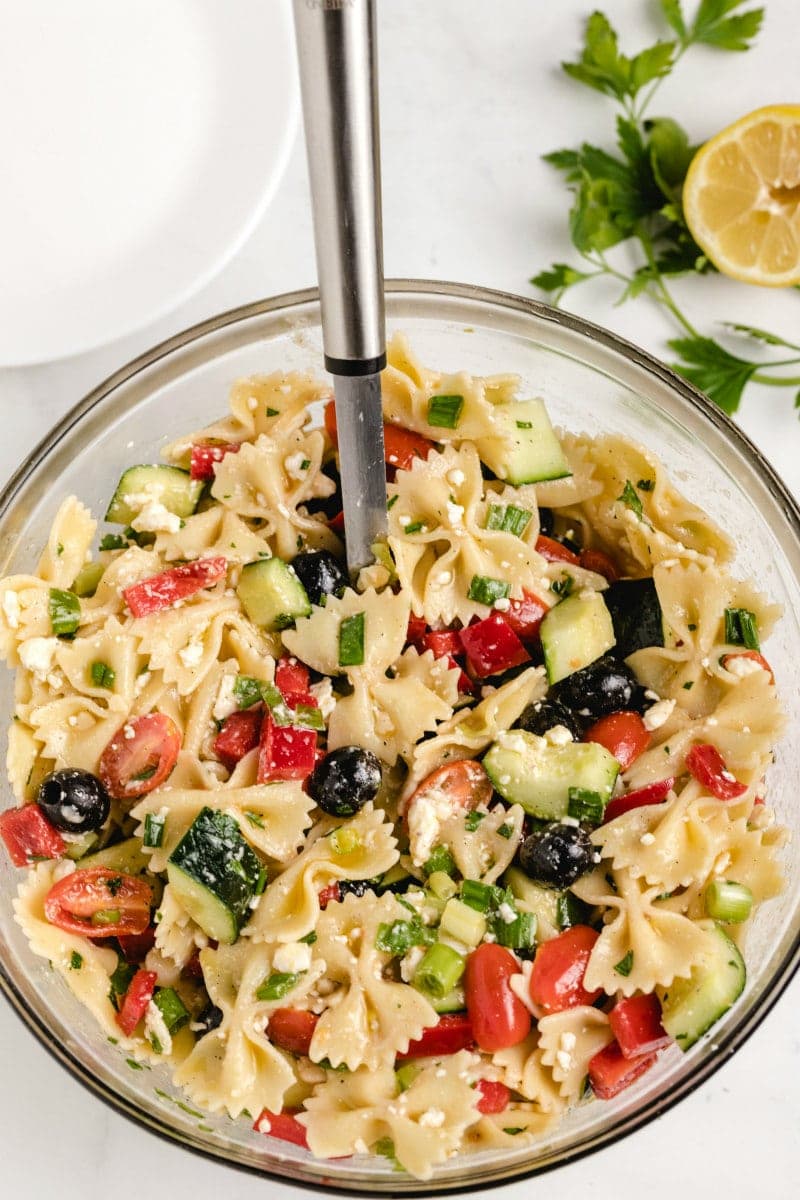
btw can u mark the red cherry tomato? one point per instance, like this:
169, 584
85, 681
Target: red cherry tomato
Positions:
292, 681
401, 446
239, 735
331, 894
651, 793
29, 836
553, 551
610, 1071
140, 756
137, 998
499, 1018
636, 1024
206, 455
599, 562
452, 1032
708, 767
99, 903
494, 1096
136, 946
284, 1125
559, 968
754, 656
416, 630
292, 1029
525, 615
623, 734
492, 646
464, 784
161, 591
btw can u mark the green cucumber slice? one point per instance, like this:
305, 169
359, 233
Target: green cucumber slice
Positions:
689, 1007
148, 484
126, 857
529, 770
214, 875
574, 633
526, 449
271, 594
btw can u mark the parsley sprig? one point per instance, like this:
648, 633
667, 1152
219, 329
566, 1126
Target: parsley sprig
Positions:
633, 195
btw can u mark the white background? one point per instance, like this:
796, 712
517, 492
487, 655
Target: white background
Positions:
471, 97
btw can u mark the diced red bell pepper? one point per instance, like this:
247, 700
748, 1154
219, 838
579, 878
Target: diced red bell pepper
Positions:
443, 642
29, 836
239, 735
292, 1029
137, 998
754, 656
331, 894
136, 946
494, 1096
337, 523
163, 590
610, 1072
554, 551
623, 734
284, 1125
416, 630
599, 562
525, 615
194, 968
292, 681
636, 1024
558, 970
453, 1032
286, 751
492, 646
651, 793
708, 767
401, 446
206, 455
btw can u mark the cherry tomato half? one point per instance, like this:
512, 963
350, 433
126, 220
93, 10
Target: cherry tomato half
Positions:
708, 767
451, 1033
499, 1018
554, 551
599, 562
283, 1125
140, 756
651, 793
494, 1096
292, 1029
137, 998
559, 968
753, 656
99, 903
623, 734
464, 784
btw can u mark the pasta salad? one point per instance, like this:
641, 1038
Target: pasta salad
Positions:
408, 865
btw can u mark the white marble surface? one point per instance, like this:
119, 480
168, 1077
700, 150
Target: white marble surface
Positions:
471, 97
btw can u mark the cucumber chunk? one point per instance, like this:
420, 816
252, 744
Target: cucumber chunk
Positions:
574, 633
214, 875
126, 857
453, 1002
138, 486
526, 449
533, 898
271, 594
689, 1007
528, 770
635, 614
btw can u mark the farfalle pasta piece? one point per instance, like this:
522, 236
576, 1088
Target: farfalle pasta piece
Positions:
68, 544
177, 935
112, 647
24, 613
351, 1112
576, 487
485, 850
521, 1068
643, 944
373, 1018
216, 532
235, 1066
74, 730
516, 1126
567, 1041
184, 643
315, 639
361, 848
125, 568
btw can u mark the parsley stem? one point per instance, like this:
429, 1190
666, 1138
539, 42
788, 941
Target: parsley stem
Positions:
771, 381
663, 290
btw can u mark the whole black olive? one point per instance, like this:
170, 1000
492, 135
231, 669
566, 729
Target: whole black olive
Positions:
546, 714
210, 1018
328, 506
546, 521
345, 780
74, 801
557, 855
320, 574
605, 686
354, 887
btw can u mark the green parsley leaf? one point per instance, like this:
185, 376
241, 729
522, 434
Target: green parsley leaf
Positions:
713, 27
712, 369
631, 500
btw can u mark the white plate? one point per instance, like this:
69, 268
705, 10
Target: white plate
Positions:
140, 144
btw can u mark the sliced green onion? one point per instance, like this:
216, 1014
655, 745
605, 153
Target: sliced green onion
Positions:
585, 805
246, 691
102, 675
171, 1007
308, 717
472, 820
524, 424
153, 830
625, 965
440, 860
255, 818
106, 916
75, 961
563, 586
113, 541
741, 628
506, 831
277, 985
397, 937
480, 896
65, 612
571, 911
463, 923
309, 939
728, 901
445, 411
406, 1075
440, 970
414, 527
442, 886
351, 641
519, 934
507, 518
279, 710
485, 590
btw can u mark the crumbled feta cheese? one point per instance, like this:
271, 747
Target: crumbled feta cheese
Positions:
36, 655
455, 513
444, 578
293, 465
410, 962
11, 608
506, 914
660, 713
456, 477
403, 520
191, 654
559, 735
128, 732
225, 702
563, 1059
425, 817
263, 1125
568, 1040
141, 682
155, 518
432, 1118
252, 403
651, 695
647, 839
73, 720
156, 1027
573, 821
292, 958
739, 665
323, 694
502, 604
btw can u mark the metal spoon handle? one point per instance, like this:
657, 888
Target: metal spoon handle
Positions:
337, 55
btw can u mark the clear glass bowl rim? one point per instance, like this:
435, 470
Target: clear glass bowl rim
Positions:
750, 1020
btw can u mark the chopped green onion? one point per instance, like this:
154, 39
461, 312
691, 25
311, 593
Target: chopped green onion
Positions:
563, 586
571, 911
741, 628
277, 985
728, 901
171, 1007
273, 412
279, 710
344, 841
351, 641
645, 485
397, 937
246, 691
261, 882
524, 424
406, 1075
480, 896
505, 831
631, 500
153, 830
86, 581
442, 886
255, 818
102, 675
472, 820
106, 916
390, 503
485, 590
309, 939
463, 923
439, 971
519, 934
414, 527
445, 411
65, 612
113, 541
440, 860
625, 965
308, 717
507, 518
75, 961
121, 980
585, 805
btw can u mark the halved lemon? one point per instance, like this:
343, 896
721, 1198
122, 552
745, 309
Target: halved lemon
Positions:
741, 197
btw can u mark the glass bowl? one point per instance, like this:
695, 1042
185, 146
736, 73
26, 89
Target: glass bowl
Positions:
592, 381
